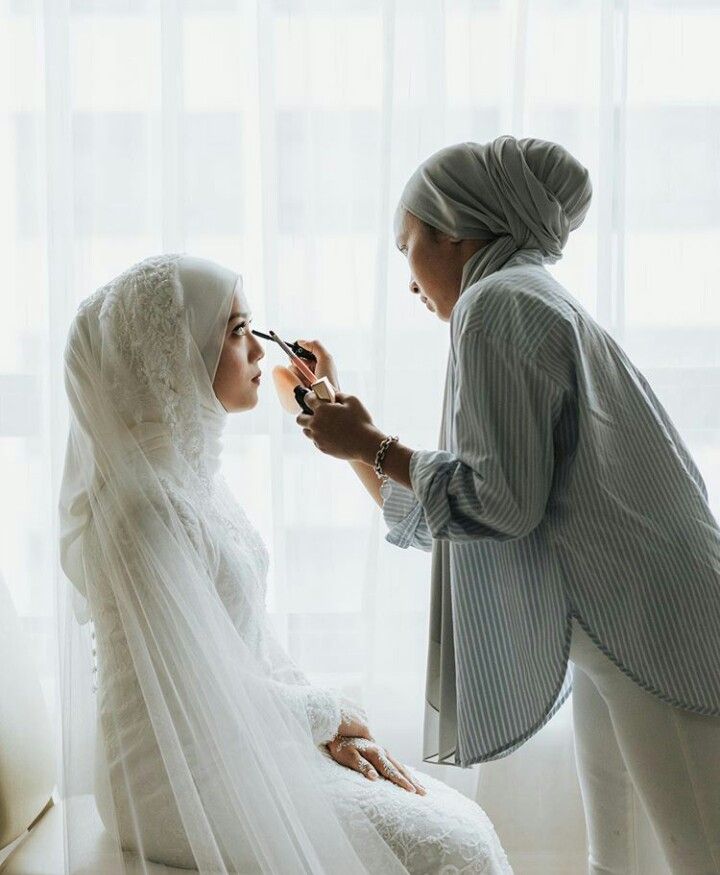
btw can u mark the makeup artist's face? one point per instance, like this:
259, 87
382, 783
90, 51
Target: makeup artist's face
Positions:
436, 263
234, 382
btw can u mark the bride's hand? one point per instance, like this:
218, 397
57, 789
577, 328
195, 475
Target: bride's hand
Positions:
353, 720
370, 759
323, 366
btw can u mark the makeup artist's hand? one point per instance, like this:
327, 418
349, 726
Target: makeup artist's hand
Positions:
344, 429
324, 366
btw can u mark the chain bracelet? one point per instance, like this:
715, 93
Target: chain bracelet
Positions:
380, 458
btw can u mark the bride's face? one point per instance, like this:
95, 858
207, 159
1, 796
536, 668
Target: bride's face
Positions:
236, 384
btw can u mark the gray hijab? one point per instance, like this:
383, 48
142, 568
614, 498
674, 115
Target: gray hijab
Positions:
521, 194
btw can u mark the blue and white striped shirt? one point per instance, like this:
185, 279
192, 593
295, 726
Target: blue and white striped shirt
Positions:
561, 488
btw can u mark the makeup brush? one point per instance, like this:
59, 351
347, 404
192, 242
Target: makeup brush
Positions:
299, 351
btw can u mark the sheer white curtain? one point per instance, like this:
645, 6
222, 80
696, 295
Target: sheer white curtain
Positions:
275, 136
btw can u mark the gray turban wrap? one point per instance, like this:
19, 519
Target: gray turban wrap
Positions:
521, 194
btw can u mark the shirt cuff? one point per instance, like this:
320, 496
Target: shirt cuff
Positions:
404, 516
428, 469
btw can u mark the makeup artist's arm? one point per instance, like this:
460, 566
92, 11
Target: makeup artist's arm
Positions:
396, 458
401, 510
369, 480
396, 466
346, 430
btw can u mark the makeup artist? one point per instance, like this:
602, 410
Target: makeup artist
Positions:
565, 515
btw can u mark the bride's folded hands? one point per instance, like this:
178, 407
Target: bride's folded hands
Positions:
355, 747
366, 756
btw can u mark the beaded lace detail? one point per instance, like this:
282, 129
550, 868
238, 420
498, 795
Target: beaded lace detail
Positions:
143, 312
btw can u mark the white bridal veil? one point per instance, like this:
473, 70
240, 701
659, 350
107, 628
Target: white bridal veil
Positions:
239, 761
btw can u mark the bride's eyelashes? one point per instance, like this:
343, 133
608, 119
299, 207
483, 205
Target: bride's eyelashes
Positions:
242, 325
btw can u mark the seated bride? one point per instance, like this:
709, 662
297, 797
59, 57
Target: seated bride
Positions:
214, 752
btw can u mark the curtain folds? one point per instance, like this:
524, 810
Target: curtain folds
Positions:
275, 136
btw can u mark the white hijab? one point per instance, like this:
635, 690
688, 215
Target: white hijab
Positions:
521, 194
141, 465
151, 340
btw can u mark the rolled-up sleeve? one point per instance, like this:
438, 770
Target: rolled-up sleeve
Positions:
496, 482
404, 517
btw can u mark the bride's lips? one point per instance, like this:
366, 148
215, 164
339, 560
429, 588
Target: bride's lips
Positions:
256, 378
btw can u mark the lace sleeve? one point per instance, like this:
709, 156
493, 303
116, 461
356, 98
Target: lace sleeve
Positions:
241, 586
324, 707
319, 706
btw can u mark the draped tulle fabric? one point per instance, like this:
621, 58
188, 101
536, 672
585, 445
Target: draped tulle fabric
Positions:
144, 627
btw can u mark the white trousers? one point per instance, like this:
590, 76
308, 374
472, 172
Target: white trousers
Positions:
630, 743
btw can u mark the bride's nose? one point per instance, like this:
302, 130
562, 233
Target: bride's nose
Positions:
414, 287
258, 351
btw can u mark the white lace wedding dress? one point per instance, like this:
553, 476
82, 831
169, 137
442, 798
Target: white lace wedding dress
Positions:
210, 752
442, 832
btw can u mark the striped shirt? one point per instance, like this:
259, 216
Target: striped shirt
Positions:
561, 488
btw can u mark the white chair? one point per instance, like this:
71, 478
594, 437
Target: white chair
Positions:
31, 819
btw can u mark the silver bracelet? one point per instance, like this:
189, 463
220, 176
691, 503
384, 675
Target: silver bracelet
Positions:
380, 458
